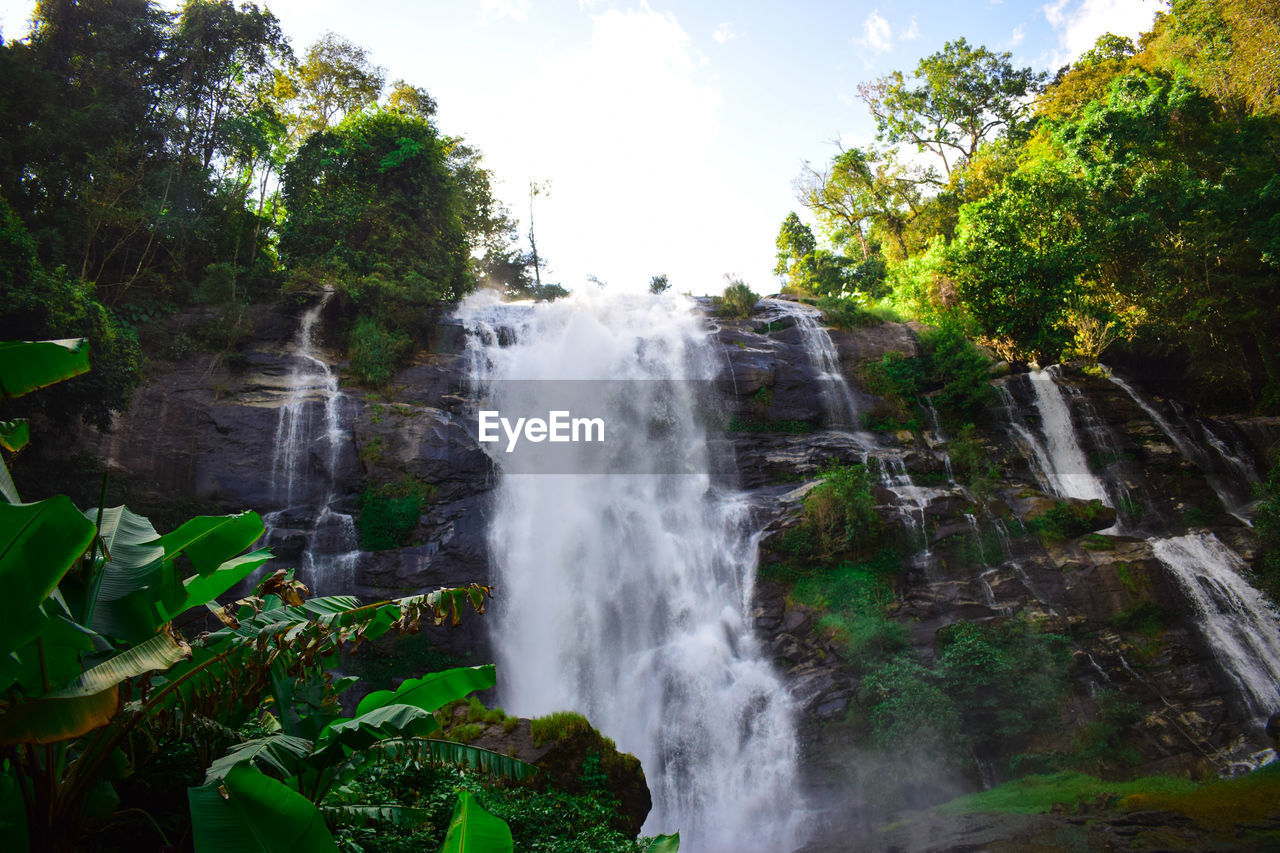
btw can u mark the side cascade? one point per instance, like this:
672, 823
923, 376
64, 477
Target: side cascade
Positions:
1238, 624
626, 577
312, 434
842, 409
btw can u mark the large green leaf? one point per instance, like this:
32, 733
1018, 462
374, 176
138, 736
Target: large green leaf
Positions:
39, 542
434, 690
133, 551
252, 813
379, 724
8, 490
201, 589
210, 540
664, 844
158, 653
474, 830
28, 365
278, 753
52, 720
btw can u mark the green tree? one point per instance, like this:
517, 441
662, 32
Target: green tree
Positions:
335, 79
376, 195
659, 284
963, 96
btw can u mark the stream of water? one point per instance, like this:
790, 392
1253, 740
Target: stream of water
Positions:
305, 460
625, 595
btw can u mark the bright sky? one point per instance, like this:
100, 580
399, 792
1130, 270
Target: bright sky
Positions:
670, 131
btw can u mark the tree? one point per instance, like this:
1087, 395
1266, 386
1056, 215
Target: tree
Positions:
1016, 261
659, 284
964, 96
376, 195
84, 161
413, 100
334, 79
866, 190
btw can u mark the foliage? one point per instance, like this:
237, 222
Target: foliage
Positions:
849, 313
738, 300
659, 284
39, 305
1006, 679
908, 711
557, 725
1064, 520
1266, 522
336, 79
840, 510
964, 95
1039, 794
376, 352
950, 370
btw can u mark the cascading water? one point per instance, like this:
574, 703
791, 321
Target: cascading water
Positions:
1068, 472
625, 595
1189, 449
837, 398
1238, 624
306, 459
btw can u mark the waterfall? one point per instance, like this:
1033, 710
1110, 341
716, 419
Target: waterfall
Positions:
1238, 623
1068, 472
821, 353
625, 596
1190, 451
306, 458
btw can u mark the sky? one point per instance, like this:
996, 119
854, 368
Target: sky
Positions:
669, 134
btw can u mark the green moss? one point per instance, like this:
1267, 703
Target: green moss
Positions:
1145, 617
1064, 521
1039, 794
559, 725
1097, 542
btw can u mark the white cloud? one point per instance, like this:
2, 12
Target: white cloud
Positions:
1019, 33
724, 33
913, 30
496, 10
877, 35
1080, 22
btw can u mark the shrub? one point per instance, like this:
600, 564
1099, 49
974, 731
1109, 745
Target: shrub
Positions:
738, 300
848, 312
907, 710
389, 513
1006, 679
840, 510
555, 726
375, 352
1267, 524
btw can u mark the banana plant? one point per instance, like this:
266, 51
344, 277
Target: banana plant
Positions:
387, 725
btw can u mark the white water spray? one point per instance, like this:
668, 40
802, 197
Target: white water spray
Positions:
1068, 468
625, 596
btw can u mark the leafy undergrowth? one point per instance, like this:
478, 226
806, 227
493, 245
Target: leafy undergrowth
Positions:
1219, 804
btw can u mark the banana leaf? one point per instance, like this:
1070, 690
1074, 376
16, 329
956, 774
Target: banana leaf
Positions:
28, 365
249, 812
434, 690
276, 755
39, 542
474, 830
664, 844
